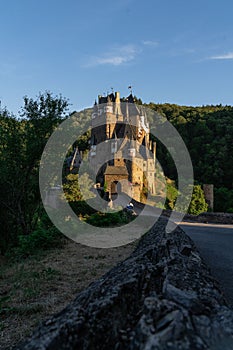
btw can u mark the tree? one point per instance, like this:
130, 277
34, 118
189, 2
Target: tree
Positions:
78, 187
11, 132
22, 144
71, 188
171, 195
198, 204
41, 118
223, 199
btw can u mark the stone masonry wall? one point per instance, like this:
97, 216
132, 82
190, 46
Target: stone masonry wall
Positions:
162, 297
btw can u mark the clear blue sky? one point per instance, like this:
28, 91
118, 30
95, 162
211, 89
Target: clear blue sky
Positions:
175, 51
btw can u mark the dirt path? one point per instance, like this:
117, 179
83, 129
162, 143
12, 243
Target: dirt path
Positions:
42, 285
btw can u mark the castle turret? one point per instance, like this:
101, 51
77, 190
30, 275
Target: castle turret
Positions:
110, 119
118, 107
124, 130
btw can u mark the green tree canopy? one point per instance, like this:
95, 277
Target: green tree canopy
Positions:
22, 144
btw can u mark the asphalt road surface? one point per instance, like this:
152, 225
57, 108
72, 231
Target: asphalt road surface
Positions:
215, 244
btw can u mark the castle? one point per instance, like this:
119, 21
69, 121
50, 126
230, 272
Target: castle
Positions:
120, 130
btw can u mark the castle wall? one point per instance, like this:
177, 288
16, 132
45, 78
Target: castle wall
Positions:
136, 192
121, 183
150, 175
108, 124
137, 171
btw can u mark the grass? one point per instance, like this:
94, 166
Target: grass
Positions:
33, 288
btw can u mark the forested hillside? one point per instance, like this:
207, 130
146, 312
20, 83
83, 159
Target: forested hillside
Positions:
207, 132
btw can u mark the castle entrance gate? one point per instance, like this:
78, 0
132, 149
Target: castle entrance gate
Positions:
116, 187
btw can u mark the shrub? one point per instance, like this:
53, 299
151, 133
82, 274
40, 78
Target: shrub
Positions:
172, 194
38, 240
110, 219
198, 204
45, 236
82, 208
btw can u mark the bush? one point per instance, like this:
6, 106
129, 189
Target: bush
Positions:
172, 194
37, 241
45, 236
82, 208
198, 204
110, 219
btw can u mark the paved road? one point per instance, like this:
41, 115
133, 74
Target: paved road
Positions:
215, 244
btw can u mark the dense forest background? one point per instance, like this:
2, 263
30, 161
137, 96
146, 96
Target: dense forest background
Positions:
207, 132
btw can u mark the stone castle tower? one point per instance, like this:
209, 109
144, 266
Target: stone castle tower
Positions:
120, 130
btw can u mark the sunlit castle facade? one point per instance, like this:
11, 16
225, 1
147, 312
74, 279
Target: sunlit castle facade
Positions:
120, 131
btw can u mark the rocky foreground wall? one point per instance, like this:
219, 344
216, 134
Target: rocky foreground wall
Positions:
162, 297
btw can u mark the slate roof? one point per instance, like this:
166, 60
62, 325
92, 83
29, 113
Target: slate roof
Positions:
116, 170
